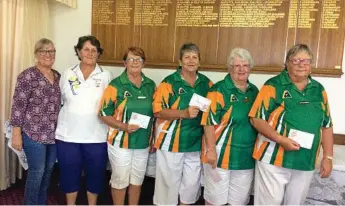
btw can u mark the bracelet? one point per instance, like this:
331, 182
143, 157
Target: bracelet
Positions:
328, 157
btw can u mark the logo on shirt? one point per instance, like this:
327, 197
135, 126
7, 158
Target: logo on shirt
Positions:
181, 91
286, 94
127, 94
97, 82
74, 84
233, 98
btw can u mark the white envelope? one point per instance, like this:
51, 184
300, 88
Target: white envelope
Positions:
21, 154
304, 139
140, 119
213, 173
200, 101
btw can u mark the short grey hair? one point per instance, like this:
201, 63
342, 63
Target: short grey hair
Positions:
296, 49
241, 53
187, 47
41, 43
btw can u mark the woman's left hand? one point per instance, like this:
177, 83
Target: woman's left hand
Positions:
326, 167
152, 149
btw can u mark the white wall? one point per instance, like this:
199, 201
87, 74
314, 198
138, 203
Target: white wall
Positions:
68, 24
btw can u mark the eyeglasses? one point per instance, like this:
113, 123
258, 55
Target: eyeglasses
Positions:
93, 52
244, 66
135, 60
46, 52
299, 61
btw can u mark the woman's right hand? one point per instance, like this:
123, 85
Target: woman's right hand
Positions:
130, 128
211, 156
17, 142
191, 112
289, 144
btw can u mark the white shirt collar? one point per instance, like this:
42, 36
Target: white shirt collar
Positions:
76, 69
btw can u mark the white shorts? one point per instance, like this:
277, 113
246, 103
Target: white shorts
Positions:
277, 185
177, 174
128, 166
233, 188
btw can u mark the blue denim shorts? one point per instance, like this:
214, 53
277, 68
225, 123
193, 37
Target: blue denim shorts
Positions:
75, 157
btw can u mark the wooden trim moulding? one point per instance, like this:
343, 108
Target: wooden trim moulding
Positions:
217, 68
339, 139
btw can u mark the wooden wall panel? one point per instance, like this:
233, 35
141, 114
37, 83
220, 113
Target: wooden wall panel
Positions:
266, 28
158, 41
330, 51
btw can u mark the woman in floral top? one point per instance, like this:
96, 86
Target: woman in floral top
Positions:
36, 105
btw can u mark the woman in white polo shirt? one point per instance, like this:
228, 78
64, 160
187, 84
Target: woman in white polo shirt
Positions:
80, 135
